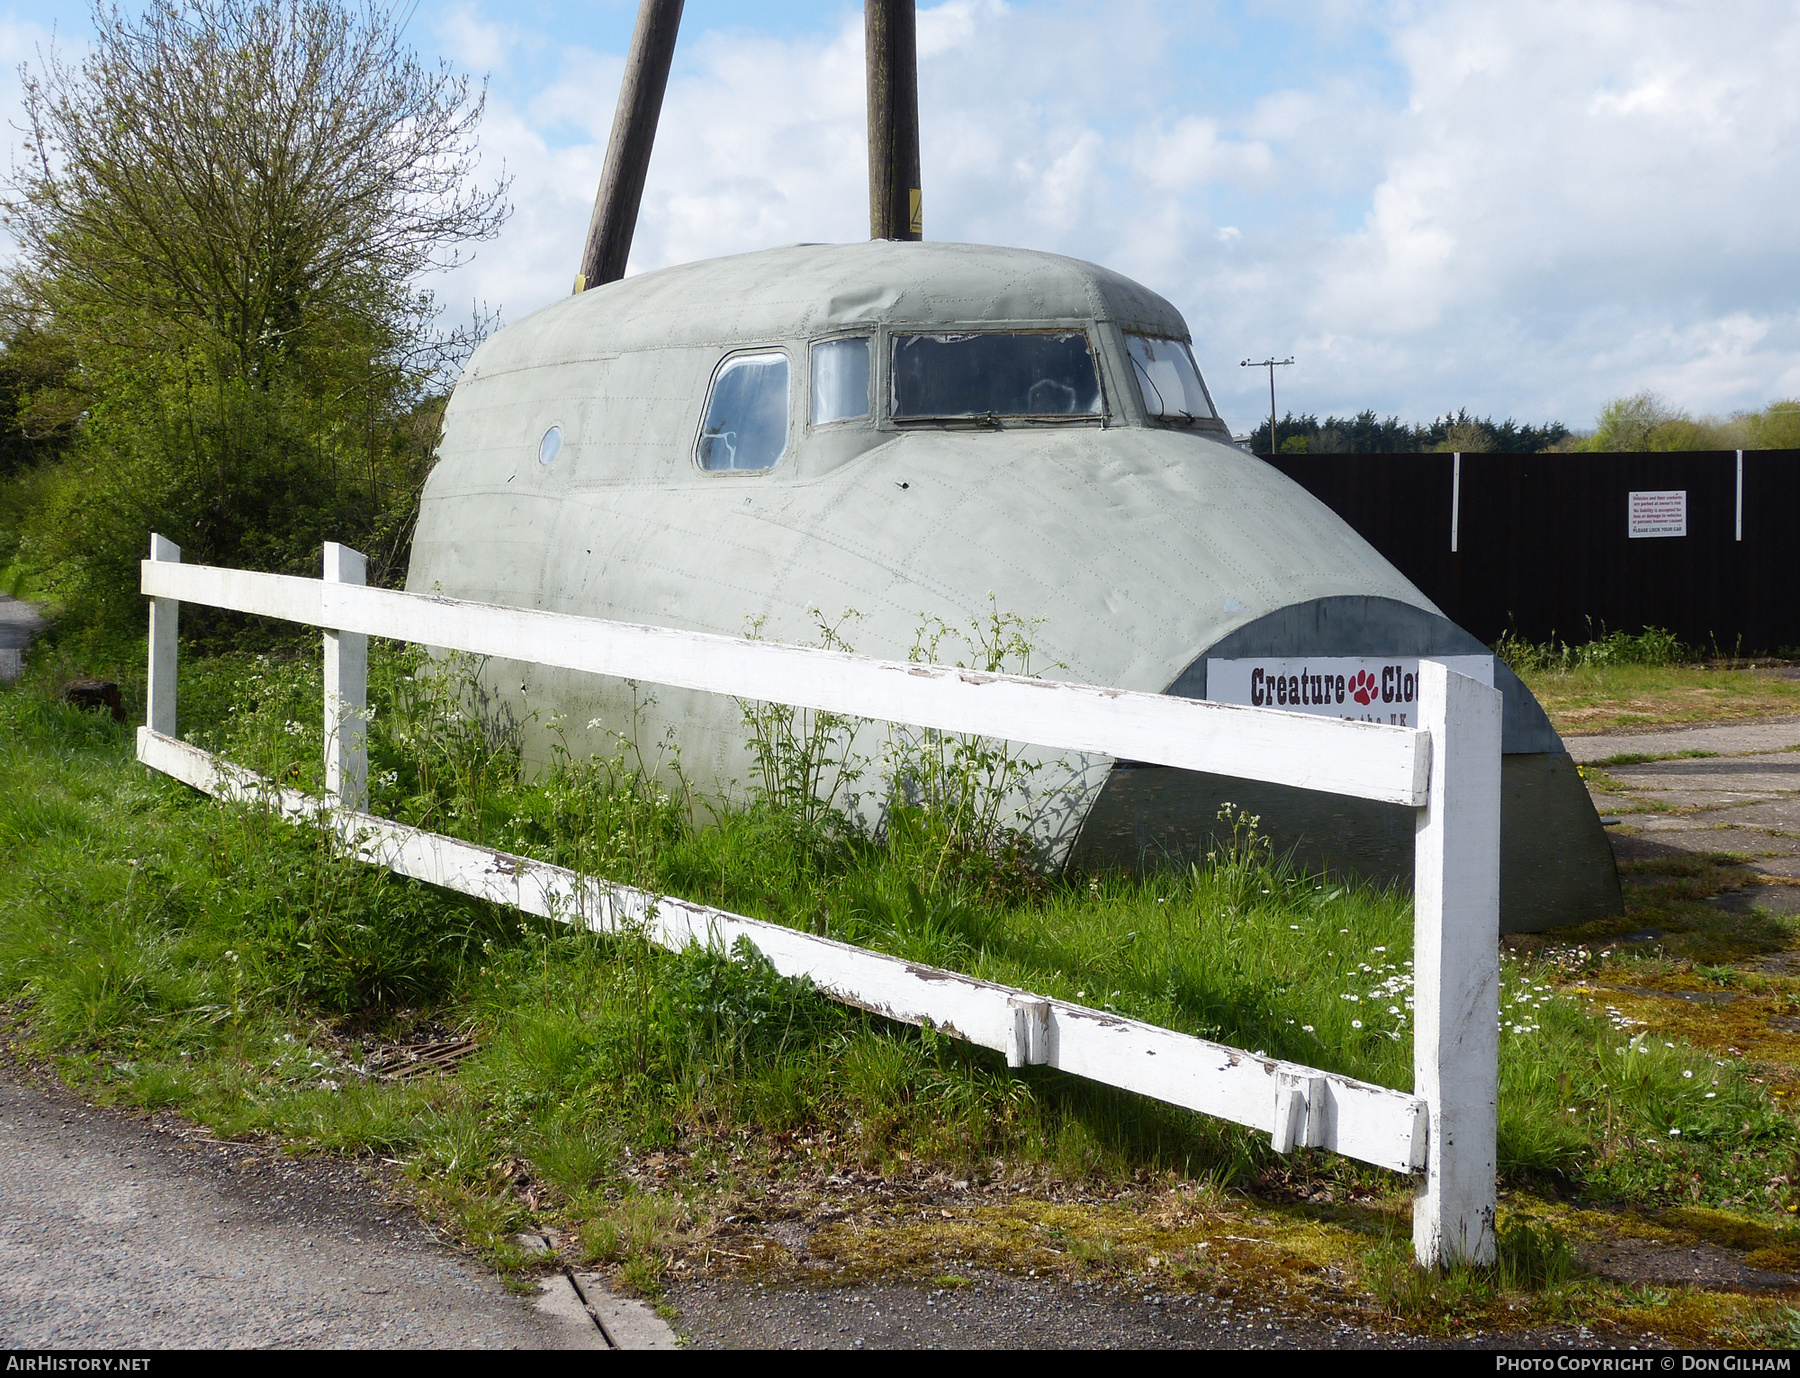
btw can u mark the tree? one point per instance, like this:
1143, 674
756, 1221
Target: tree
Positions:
1364, 434
224, 212
1639, 422
1644, 421
1777, 427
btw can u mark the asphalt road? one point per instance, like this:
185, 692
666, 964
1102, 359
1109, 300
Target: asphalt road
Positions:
118, 1233
993, 1312
18, 623
1743, 799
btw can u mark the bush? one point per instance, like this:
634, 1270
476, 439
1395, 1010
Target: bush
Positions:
1652, 646
213, 329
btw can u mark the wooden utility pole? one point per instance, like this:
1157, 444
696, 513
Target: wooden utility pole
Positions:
891, 48
628, 155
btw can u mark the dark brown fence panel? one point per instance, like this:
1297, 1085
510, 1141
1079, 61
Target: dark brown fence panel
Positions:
1771, 572
1544, 547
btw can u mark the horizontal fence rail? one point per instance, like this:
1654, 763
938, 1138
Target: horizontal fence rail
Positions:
1447, 769
1367, 760
1372, 1123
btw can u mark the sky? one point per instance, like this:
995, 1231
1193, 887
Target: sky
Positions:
1524, 209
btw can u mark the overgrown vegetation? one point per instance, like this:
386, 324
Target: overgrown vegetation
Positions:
213, 328
1652, 646
654, 1107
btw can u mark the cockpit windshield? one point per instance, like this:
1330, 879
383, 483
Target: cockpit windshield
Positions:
1167, 379
994, 374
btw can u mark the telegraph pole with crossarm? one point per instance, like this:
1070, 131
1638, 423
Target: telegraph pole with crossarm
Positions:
1271, 364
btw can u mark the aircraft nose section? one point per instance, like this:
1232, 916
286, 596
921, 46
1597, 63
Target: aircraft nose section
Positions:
1352, 657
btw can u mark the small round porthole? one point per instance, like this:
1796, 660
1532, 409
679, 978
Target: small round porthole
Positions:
550, 444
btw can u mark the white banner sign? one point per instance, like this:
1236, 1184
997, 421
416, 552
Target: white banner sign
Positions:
1662, 513
1382, 689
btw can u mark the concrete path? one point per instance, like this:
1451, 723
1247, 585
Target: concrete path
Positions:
1744, 800
19, 622
118, 1233
1725, 739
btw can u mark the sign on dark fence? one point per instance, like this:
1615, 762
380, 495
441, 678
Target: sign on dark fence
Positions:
1703, 543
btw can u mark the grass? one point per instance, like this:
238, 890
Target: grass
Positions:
1634, 697
1617, 681
663, 1112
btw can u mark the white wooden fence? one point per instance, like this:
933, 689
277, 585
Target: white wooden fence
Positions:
1448, 769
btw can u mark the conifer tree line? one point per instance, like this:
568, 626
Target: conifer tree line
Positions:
1642, 421
1366, 434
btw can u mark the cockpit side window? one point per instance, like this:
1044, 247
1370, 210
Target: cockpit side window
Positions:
991, 374
840, 380
746, 426
1167, 379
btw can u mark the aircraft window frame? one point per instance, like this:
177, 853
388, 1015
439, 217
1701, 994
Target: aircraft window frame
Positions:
548, 447
1084, 327
1162, 418
766, 353
867, 414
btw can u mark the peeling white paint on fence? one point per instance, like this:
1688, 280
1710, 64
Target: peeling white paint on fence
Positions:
1445, 1132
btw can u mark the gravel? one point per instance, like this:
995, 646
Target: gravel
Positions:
994, 1312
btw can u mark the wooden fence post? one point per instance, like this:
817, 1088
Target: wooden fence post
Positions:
1456, 967
165, 623
346, 693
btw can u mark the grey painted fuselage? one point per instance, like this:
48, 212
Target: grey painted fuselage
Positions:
1139, 546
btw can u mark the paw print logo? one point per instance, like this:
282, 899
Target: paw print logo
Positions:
1362, 687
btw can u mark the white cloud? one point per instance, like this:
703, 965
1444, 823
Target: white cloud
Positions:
1523, 209
473, 42
952, 25
1190, 153
1610, 186
763, 144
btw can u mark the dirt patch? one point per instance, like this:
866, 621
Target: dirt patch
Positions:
1693, 997
1646, 1261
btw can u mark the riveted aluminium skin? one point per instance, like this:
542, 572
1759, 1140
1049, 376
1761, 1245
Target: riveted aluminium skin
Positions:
1141, 547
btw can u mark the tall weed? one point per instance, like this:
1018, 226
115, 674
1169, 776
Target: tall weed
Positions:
1602, 649
948, 792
